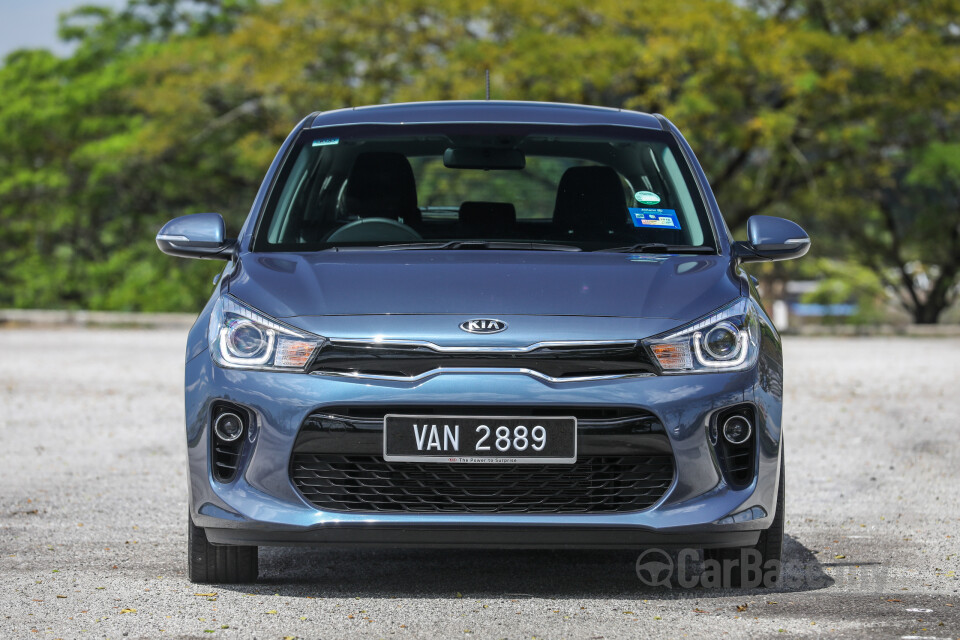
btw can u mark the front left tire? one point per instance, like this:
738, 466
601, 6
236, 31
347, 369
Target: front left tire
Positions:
218, 564
769, 547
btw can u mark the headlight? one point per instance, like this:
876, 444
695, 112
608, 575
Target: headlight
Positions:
242, 338
726, 340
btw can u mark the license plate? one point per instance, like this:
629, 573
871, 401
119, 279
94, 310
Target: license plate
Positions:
480, 439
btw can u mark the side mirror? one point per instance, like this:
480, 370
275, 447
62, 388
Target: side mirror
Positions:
772, 239
199, 235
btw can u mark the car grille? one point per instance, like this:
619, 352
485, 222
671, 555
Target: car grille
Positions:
411, 361
594, 484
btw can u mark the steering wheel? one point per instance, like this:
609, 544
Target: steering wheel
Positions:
374, 230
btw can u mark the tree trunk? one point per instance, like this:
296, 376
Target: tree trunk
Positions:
937, 301
927, 314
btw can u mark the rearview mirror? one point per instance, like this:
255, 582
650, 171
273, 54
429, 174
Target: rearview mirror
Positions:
199, 235
772, 239
484, 158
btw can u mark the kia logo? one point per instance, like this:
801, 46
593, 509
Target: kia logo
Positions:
483, 325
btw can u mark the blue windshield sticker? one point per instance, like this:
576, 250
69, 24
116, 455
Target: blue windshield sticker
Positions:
325, 142
655, 218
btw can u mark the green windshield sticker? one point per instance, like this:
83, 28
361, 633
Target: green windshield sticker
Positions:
647, 197
326, 141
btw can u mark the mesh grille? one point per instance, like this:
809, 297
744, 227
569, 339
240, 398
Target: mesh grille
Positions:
595, 484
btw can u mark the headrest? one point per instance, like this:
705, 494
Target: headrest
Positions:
381, 185
590, 202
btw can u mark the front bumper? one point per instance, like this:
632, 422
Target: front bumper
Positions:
488, 536
262, 506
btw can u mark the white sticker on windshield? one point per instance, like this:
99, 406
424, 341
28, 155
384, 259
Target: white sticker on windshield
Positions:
325, 142
647, 197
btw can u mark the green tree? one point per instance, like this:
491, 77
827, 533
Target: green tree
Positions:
839, 116
78, 202
894, 206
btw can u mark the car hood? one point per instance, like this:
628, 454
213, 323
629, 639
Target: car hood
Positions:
484, 283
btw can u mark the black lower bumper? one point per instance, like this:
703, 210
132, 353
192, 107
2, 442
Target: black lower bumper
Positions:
504, 537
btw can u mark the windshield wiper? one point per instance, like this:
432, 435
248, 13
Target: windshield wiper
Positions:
659, 247
479, 244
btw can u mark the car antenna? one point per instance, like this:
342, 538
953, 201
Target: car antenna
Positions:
488, 83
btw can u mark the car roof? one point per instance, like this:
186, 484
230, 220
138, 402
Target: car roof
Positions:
486, 111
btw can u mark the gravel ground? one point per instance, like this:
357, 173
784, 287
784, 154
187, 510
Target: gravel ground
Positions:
93, 504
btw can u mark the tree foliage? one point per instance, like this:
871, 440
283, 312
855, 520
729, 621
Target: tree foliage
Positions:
839, 115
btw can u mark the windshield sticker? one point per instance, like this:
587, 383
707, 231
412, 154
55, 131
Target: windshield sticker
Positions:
325, 142
648, 198
655, 218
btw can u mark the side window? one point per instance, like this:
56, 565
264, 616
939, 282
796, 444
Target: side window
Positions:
282, 226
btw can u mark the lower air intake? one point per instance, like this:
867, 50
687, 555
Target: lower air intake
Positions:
594, 484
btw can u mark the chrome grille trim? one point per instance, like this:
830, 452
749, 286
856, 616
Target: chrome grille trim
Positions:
478, 370
374, 342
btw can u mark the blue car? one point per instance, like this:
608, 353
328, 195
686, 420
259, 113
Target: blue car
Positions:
483, 324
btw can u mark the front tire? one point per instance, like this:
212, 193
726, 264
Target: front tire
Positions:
218, 564
769, 546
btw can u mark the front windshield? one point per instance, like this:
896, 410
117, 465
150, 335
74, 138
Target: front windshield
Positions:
463, 185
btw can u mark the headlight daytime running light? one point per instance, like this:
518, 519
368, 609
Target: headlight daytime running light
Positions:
726, 340
241, 337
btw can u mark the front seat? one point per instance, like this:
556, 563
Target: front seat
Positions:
381, 185
590, 205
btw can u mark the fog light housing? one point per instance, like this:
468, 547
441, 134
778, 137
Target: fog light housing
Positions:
228, 426
737, 429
